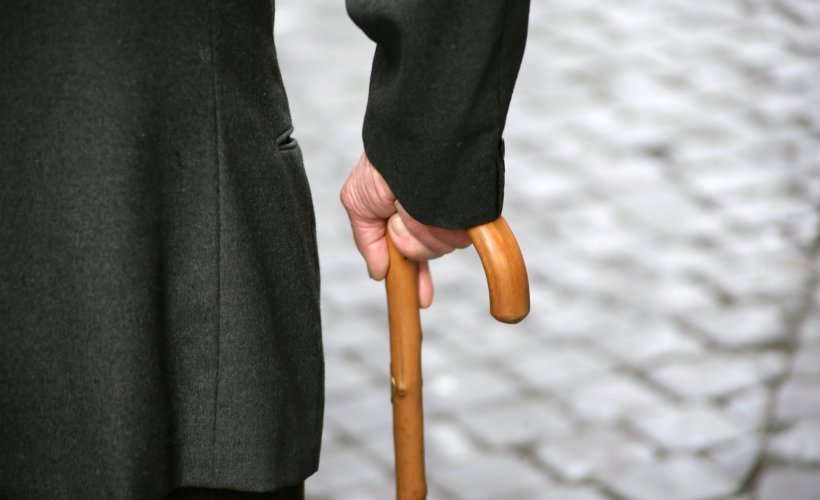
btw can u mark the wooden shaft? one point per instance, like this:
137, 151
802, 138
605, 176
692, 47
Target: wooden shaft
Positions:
509, 303
505, 270
405, 371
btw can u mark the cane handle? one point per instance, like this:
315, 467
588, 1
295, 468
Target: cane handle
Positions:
505, 269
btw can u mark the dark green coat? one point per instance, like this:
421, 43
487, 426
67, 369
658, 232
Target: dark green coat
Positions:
159, 291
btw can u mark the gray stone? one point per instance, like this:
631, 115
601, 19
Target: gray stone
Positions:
385, 489
782, 483
691, 427
722, 182
798, 398
665, 210
487, 477
482, 339
807, 361
751, 405
738, 458
344, 469
650, 342
437, 356
810, 330
360, 414
552, 184
678, 478
766, 212
343, 376
719, 374
559, 368
446, 444
330, 435
641, 174
603, 236
744, 326
682, 260
517, 423
461, 390
377, 443
560, 492
573, 319
592, 452
799, 443
613, 396
745, 280
675, 296
354, 332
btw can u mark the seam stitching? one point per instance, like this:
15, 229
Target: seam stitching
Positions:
218, 163
499, 162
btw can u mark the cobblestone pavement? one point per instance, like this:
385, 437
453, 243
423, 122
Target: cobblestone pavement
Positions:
663, 164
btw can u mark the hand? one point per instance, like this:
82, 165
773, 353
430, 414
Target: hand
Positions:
373, 209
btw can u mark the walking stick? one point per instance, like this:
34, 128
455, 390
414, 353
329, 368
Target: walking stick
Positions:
509, 303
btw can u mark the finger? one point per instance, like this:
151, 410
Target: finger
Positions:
369, 237
366, 194
425, 285
441, 241
454, 238
368, 202
407, 244
377, 258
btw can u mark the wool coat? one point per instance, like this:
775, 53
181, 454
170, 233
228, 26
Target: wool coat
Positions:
159, 286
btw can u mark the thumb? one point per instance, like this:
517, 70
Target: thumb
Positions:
425, 285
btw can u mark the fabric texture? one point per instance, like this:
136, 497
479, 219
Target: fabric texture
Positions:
159, 285
442, 80
290, 493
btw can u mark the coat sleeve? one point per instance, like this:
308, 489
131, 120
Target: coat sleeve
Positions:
440, 87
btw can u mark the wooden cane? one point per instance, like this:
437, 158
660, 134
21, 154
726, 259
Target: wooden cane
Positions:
509, 303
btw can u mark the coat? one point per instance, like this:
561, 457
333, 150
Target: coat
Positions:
159, 285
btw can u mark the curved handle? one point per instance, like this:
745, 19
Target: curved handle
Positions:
509, 303
504, 266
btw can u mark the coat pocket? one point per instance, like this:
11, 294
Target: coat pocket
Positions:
294, 171
285, 141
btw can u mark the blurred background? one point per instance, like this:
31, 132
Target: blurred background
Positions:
663, 178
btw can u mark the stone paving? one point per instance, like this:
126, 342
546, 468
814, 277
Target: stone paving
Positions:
663, 178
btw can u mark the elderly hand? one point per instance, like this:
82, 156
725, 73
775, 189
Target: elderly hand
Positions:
373, 209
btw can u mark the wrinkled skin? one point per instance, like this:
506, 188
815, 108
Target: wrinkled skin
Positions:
373, 209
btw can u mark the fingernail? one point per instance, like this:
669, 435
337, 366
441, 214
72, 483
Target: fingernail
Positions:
398, 227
